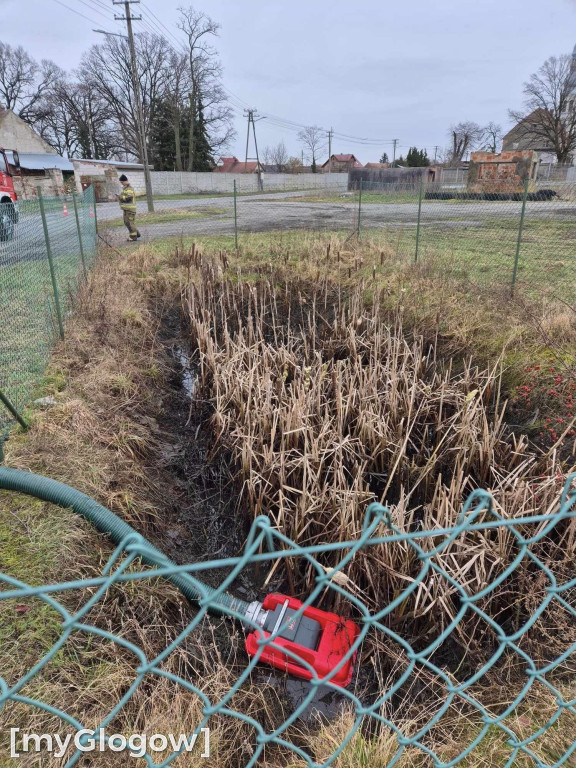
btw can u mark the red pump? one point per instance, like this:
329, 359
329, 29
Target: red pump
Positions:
320, 638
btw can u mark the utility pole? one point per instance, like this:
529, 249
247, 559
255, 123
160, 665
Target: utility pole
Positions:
436, 153
247, 139
128, 18
250, 113
330, 133
394, 141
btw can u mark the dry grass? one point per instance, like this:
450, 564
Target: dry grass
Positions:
315, 390
102, 438
329, 401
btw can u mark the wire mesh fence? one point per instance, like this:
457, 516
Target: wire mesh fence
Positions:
484, 710
46, 247
512, 237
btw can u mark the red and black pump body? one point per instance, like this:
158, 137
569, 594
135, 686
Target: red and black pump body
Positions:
319, 638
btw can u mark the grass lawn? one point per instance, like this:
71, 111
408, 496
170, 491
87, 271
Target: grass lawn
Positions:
164, 217
230, 193
342, 196
482, 253
464, 272
29, 324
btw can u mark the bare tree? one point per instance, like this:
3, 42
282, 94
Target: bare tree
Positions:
206, 93
23, 81
549, 115
313, 139
76, 121
492, 135
106, 69
277, 156
176, 97
464, 138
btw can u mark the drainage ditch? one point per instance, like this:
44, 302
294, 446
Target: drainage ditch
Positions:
205, 519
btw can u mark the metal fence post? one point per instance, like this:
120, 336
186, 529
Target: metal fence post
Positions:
95, 211
79, 235
51, 262
11, 409
235, 216
419, 218
520, 230
360, 208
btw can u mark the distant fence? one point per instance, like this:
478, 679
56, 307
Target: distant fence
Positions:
185, 182
555, 172
451, 177
46, 247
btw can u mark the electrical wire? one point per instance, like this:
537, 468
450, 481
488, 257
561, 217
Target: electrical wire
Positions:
99, 7
151, 21
92, 21
151, 13
95, 9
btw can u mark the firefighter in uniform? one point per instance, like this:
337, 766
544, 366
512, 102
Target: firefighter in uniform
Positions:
127, 200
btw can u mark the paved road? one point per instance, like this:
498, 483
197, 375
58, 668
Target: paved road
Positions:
107, 211
29, 243
276, 212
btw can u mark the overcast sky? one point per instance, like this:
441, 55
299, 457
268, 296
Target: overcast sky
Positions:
380, 69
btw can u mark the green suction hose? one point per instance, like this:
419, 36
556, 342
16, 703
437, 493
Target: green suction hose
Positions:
107, 522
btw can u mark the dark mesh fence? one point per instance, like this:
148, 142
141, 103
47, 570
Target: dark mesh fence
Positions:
46, 247
510, 238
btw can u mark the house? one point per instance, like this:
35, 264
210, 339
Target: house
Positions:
378, 166
233, 165
52, 173
17, 134
103, 176
523, 139
340, 164
40, 165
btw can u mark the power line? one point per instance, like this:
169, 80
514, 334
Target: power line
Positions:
98, 6
146, 11
275, 120
100, 3
93, 21
158, 21
94, 8
236, 101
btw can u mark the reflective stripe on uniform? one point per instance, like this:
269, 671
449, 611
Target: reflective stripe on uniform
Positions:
128, 199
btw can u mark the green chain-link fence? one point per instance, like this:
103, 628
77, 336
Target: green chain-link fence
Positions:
46, 247
518, 239
460, 684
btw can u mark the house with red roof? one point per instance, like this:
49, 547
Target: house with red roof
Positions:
341, 164
233, 165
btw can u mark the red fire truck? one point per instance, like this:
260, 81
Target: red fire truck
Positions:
8, 196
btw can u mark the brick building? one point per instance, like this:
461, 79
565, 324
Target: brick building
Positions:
340, 164
503, 172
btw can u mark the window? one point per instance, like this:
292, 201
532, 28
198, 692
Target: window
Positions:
3, 167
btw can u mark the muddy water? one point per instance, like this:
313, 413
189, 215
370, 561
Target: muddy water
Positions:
212, 526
